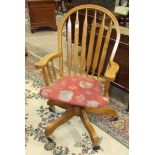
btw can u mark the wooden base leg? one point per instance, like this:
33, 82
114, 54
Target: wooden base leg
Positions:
85, 120
56, 123
102, 111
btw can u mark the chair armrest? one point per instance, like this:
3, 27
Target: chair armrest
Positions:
44, 60
110, 73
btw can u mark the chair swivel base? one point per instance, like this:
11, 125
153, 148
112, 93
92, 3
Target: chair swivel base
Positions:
82, 113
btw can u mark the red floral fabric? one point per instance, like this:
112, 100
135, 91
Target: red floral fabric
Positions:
76, 90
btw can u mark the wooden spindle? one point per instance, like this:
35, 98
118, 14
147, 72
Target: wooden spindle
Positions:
61, 65
60, 50
49, 73
83, 48
91, 43
54, 72
45, 75
106, 88
69, 46
76, 43
105, 47
99, 41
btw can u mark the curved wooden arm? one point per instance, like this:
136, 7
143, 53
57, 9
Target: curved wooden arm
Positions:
43, 62
110, 73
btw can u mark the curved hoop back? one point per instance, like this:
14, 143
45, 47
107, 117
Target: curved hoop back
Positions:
90, 56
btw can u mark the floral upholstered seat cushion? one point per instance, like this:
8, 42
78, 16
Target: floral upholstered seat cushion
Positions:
76, 90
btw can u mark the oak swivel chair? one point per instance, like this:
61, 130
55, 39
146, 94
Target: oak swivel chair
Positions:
74, 87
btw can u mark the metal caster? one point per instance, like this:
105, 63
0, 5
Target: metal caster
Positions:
50, 139
51, 109
115, 118
96, 147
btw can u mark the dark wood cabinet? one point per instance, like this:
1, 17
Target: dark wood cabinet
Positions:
42, 14
109, 4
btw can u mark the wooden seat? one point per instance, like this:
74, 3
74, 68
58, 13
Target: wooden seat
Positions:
77, 59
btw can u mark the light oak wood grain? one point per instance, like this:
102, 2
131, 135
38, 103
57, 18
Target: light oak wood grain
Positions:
69, 46
45, 75
84, 37
76, 43
56, 123
91, 43
49, 73
44, 60
85, 120
99, 41
84, 63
